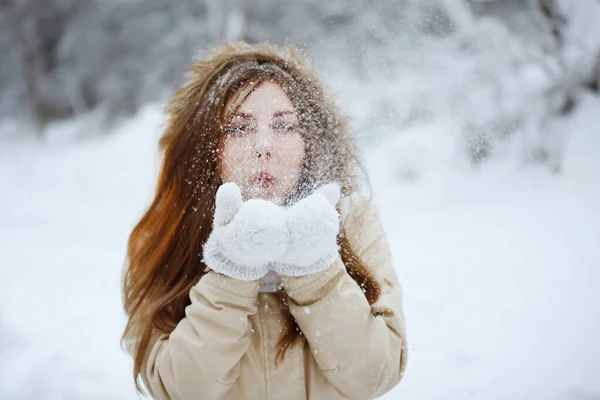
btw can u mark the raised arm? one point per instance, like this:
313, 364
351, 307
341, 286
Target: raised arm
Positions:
201, 357
361, 349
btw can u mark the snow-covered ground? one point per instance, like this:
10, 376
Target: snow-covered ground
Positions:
501, 266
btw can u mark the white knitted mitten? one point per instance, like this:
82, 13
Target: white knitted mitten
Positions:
246, 236
313, 224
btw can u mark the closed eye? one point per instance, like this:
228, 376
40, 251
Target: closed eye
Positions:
285, 127
238, 129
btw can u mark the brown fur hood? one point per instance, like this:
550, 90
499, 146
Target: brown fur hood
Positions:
332, 154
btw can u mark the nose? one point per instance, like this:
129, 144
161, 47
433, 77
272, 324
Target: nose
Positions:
263, 146
263, 155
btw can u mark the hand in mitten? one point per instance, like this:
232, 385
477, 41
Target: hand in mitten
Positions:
313, 224
246, 236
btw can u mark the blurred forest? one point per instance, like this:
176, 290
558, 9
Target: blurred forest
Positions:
478, 124
62, 58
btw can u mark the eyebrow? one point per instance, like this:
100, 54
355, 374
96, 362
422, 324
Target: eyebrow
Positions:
242, 115
275, 114
282, 113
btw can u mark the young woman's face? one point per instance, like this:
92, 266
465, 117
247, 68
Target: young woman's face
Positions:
263, 150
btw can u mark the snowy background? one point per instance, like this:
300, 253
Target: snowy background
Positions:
480, 127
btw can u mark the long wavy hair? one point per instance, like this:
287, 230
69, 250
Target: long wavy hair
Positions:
164, 259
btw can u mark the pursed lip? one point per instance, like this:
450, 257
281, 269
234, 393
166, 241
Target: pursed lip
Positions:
263, 179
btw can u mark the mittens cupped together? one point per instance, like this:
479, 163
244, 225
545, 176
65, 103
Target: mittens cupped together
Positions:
252, 237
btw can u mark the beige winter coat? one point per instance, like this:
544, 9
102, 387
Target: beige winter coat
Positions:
225, 347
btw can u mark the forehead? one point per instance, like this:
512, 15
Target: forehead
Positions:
268, 97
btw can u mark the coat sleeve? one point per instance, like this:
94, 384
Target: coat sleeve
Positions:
361, 349
201, 357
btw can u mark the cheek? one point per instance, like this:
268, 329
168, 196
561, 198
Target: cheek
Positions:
293, 152
233, 160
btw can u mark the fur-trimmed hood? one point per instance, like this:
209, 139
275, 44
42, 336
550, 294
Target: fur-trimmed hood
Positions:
332, 154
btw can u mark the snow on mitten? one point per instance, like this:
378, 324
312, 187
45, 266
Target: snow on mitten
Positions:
313, 225
246, 236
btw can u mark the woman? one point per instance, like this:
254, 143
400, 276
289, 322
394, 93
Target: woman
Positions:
258, 272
